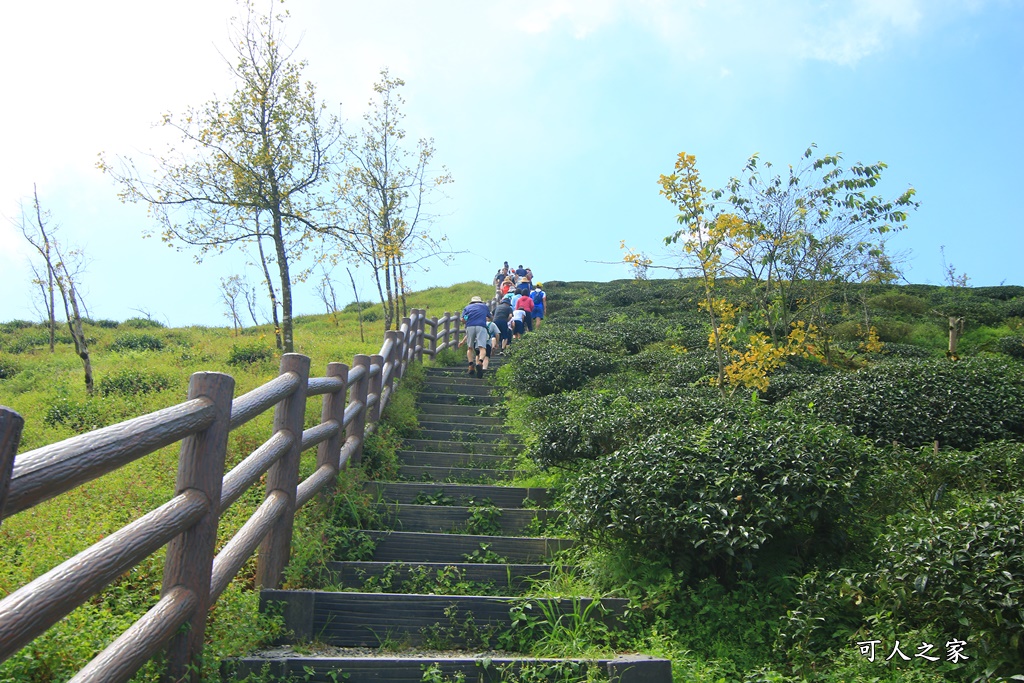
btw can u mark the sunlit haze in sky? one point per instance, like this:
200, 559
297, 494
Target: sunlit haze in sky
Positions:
555, 119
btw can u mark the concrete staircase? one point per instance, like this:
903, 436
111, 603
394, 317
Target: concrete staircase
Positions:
441, 596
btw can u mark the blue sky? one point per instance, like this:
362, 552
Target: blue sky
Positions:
555, 119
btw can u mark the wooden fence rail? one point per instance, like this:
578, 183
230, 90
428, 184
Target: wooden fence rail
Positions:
194, 576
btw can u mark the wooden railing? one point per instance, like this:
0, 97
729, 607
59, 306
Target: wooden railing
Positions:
194, 576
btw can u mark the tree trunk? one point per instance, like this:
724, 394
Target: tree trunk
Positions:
401, 289
286, 286
389, 306
75, 326
273, 293
956, 329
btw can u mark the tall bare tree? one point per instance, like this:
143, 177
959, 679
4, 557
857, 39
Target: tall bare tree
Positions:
40, 235
266, 150
63, 266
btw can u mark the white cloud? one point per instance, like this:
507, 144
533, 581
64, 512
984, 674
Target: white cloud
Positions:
797, 30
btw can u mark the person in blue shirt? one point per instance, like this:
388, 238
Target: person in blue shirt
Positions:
540, 299
475, 316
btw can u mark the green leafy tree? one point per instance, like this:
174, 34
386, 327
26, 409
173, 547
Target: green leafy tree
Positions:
266, 151
808, 229
385, 195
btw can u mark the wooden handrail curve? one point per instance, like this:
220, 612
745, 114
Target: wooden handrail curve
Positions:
194, 577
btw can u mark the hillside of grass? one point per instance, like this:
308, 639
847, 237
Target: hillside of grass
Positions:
868, 495
140, 366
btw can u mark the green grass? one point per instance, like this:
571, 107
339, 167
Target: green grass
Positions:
37, 540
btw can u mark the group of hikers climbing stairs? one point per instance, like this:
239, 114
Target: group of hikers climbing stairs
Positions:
445, 525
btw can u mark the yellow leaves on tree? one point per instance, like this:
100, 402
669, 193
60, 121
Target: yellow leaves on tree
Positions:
752, 366
872, 344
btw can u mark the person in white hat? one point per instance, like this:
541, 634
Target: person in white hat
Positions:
475, 316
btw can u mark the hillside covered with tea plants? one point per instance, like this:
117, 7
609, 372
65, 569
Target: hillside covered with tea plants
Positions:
798, 519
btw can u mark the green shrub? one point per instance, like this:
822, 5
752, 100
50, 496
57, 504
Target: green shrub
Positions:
247, 354
958, 573
136, 341
1014, 308
132, 382
914, 402
633, 334
8, 368
13, 325
543, 364
672, 368
713, 496
357, 306
106, 324
899, 303
961, 567
585, 424
78, 415
371, 316
1012, 346
142, 323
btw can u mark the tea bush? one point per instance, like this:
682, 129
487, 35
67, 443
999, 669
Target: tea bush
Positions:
546, 364
958, 572
13, 325
584, 425
634, 334
142, 323
8, 368
713, 496
132, 382
960, 403
247, 354
136, 341
79, 415
899, 303
357, 306
1012, 346
960, 567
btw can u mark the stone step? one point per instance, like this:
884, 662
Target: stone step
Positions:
451, 409
458, 494
447, 387
411, 546
454, 519
463, 379
413, 620
484, 423
284, 664
435, 459
436, 446
466, 435
459, 399
435, 577
464, 474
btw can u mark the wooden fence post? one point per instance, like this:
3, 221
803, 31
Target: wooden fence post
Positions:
447, 328
283, 475
375, 388
404, 355
11, 424
329, 452
419, 342
455, 341
189, 562
357, 427
395, 359
434, 329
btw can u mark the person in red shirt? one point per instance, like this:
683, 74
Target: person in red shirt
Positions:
525, 303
